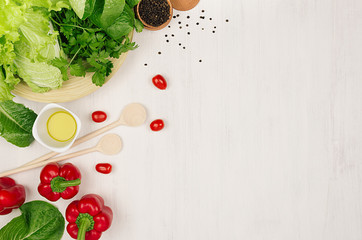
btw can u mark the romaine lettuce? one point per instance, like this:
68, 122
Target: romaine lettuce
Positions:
16, 123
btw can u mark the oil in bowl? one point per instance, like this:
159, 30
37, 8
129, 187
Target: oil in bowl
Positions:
56, 128
61, 126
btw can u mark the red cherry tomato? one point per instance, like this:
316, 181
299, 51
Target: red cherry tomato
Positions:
104, 168
99, 116
157, 125
160, 82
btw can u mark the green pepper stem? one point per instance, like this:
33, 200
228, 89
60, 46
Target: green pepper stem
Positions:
69, 183
59, 184
84, 224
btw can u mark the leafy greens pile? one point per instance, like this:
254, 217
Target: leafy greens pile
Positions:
42, 41
90, 31
100, 31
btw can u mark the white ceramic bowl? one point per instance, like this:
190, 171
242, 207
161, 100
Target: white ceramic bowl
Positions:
40, 131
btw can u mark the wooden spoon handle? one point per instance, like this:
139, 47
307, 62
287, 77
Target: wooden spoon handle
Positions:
77, 142
57, 159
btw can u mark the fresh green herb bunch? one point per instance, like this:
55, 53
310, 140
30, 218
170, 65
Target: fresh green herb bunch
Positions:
87, 47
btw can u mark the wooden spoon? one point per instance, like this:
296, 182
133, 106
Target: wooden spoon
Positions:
184, 5
132, 115
152, 28
109, 144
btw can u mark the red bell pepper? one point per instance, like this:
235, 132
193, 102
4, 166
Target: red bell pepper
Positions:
59, 181
12, 195
88, 217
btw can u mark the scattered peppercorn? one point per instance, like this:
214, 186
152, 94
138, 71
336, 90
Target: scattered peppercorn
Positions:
188, 17
159, 53
200, 60
146, 64
179, 22
188, 33
154, 12
227, 20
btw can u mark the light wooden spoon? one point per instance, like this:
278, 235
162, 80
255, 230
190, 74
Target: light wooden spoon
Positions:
109, 144
132, 115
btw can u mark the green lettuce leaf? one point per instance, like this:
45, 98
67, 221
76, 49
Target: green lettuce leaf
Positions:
11, 17
35, 50
5, 89
132, 3
40, 76
106, 12
83, 8
50, 5
123, 25
16, 123
27, 42
35, 41
38, 220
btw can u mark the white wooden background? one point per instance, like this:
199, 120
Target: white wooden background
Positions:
263, 139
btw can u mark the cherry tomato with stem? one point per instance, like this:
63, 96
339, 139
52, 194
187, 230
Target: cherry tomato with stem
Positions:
160, 82
99, 116
104, 168
157, 125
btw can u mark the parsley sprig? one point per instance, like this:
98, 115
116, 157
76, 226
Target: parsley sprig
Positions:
88, 47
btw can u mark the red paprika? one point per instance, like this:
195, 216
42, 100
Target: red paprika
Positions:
88, 217
59, 181
12, 195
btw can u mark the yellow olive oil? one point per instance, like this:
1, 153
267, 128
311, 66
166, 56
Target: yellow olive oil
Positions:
61, 126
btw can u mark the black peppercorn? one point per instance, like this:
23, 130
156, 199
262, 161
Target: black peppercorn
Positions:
154, 12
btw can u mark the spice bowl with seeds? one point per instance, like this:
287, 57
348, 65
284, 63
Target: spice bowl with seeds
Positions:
154, 14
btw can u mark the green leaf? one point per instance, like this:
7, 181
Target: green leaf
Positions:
77, 69
5, 90
83, 8
16, 123
123, 25
39, 221
62, 64
40, 76
138, 25
15, 229
132, 3
111, 10
98, 78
